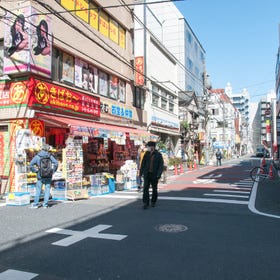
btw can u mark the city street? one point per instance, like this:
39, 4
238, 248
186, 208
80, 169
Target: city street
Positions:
201, 228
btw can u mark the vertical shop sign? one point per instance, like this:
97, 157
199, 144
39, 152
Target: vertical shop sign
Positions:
14, 127
113, 91
139, 70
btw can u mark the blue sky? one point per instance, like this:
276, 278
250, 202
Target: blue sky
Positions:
241, 41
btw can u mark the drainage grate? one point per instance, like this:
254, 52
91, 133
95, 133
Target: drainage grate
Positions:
171, 228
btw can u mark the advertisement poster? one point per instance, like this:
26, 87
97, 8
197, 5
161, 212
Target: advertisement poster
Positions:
81, 74
103, 83
17, 41
122, 91
93, 79
67, 68
114, 87
41, 44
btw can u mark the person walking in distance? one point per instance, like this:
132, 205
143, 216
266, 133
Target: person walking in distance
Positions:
44, 164
141, 152
151, 169
219, 157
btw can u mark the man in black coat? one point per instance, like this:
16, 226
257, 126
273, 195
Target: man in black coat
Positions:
151, 169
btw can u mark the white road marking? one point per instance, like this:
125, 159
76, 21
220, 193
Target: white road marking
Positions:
76, 236
203, 181
226, 191
12, 274
134, 197
226, 195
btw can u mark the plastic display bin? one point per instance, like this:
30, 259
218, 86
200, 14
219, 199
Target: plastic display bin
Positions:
18, 198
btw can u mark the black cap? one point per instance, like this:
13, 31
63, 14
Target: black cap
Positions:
151, 144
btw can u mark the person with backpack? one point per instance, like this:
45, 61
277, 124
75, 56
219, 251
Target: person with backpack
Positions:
219, 157
44, 164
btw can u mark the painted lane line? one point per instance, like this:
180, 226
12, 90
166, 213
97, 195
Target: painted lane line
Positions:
203, 200
12, 274
76, 236
252, 202
225, 191
195, 199
226, 195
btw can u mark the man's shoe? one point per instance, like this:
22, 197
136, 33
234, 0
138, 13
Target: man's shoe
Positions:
34, 206
145, 206
45, 206
153, 204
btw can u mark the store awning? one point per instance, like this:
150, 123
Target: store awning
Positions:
91, 128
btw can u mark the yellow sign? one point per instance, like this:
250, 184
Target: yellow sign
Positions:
93, 16
104, 24
122, 41
68, 4
82, 9
114, 36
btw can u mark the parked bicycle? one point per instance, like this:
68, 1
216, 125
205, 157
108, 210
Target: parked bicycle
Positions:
261, 173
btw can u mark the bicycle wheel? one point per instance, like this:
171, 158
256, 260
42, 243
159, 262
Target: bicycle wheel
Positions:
258, 174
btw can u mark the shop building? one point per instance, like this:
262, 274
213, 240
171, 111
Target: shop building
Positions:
67, 79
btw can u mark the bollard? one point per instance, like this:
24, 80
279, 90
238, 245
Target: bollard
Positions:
181, 168
270, 174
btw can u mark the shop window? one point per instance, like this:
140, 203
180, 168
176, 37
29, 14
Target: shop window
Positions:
164, 103
3, 128
139, 98
56, 64
155, 99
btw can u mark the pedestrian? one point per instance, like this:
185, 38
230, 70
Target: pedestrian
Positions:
44, 164
219, 157
151, 169
141, 152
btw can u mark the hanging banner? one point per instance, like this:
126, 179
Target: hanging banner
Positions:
139, 70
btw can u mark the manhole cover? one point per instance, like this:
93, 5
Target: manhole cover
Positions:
172, 228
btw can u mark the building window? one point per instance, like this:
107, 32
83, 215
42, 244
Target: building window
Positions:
139, 98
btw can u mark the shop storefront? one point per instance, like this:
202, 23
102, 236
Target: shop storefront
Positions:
90, 153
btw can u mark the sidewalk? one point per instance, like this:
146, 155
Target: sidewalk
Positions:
264, 199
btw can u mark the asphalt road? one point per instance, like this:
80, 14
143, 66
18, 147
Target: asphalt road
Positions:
188, 235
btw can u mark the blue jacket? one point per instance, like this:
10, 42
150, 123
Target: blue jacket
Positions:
35, 162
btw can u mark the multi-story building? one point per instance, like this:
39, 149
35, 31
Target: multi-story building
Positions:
67, 70
241, 103
175, 62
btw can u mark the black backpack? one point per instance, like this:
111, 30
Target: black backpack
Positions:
45, 167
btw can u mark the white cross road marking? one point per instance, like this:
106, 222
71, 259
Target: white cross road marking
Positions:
227, 191
226, 195
76, 236
12, 274
203, 181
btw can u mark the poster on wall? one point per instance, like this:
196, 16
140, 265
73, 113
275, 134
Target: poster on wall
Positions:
122, 91
17, 41
81, 74
103, 83
41, 44
93, 79
27, 42
113, 91
67, 68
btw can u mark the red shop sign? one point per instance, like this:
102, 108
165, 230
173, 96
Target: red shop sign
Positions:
43, 94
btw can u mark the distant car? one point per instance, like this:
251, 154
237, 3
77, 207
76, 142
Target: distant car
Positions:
262, 152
